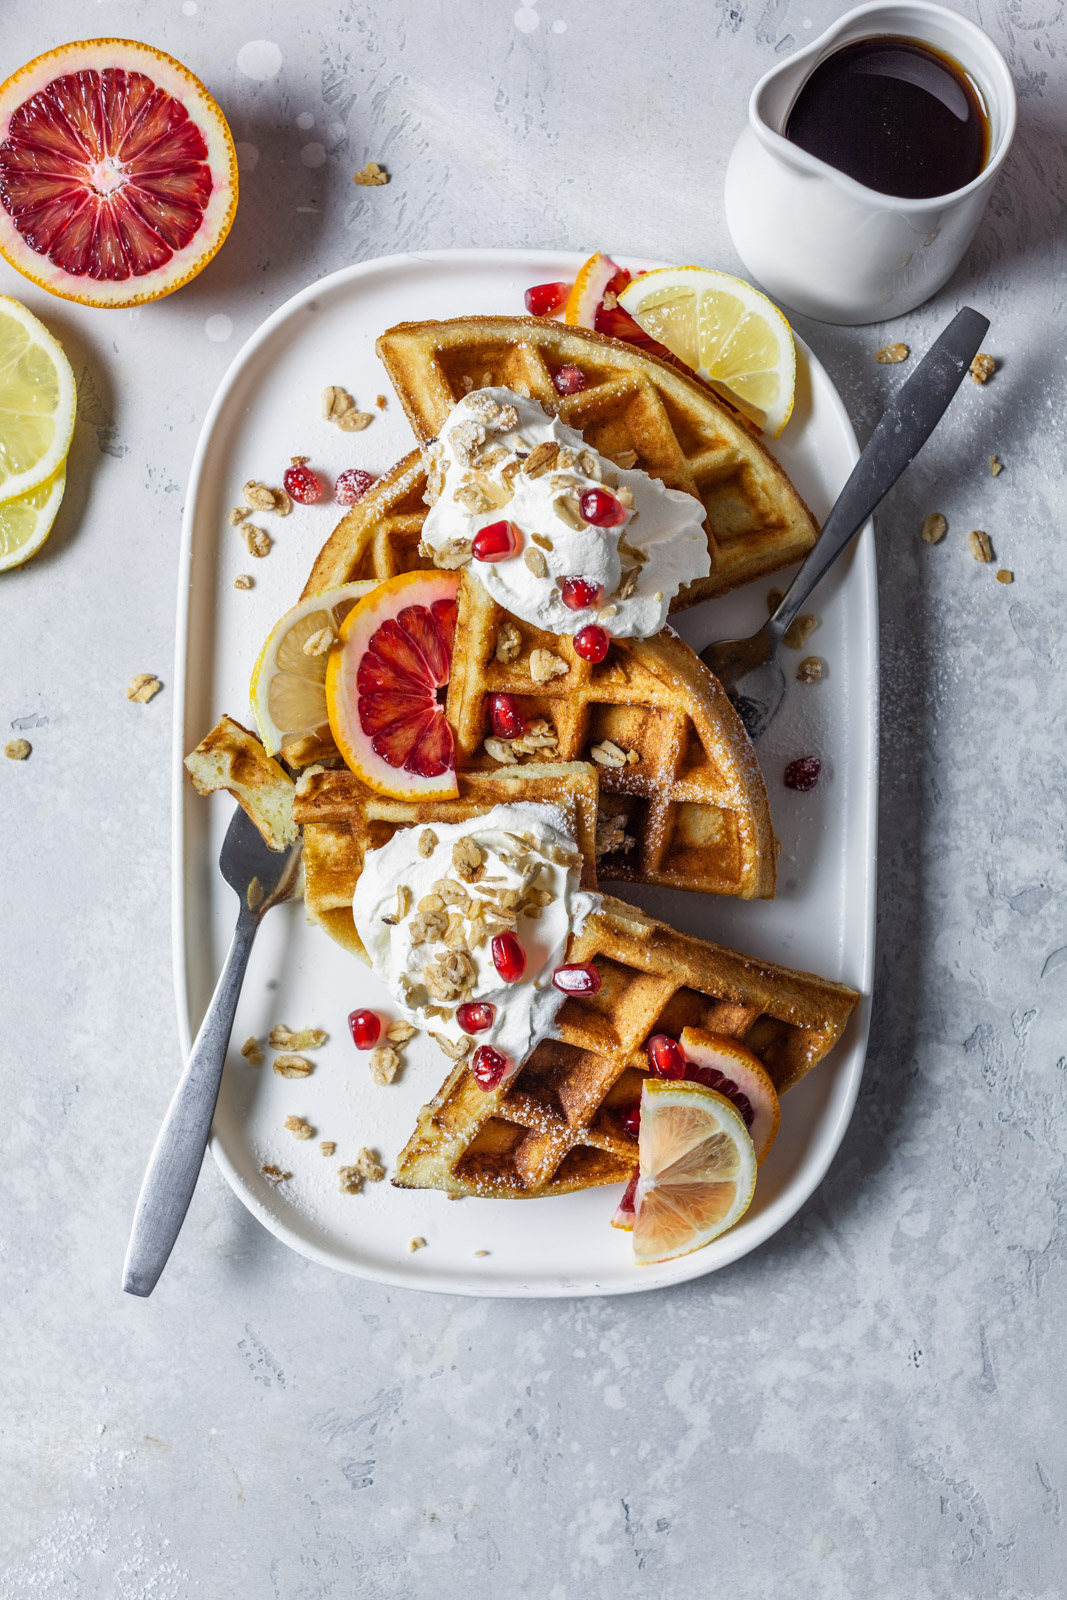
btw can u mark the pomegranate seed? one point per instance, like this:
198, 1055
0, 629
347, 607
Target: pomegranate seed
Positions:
302, 485
579, 593
545, 297
601, 508
665, 1056
509, 958
631, 1118
580, 978
803, 773
364, 1026
508, 721
626, 1204
352, 485
489, 1066
474, 1016
496, 542
568, 380
592, 643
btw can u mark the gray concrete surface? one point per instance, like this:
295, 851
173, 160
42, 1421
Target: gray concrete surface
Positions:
871, 1405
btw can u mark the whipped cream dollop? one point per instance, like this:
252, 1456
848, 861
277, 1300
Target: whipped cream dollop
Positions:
501, 457
428, 903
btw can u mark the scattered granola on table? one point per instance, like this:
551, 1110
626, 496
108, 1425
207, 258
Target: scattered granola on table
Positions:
799, 631
261, 497
982, 367
384, 1063
370, 176
299, 1128
328, 1146
143, 687
980, 545
418, 1243
283, 1038
258, 540
996, 466
252, 1052
288, 1066
274, 1174
243, 581
890, 354
339, 407
368, 1164
934, 528
810, 670
17, 749
350, 1180
1005, 576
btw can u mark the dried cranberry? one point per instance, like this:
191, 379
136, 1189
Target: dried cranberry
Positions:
631, 1118
592, 643
665, 1056
601, 508
544, 298
578, 594
509, 958
352, 485
488, 1066
496, 542
364, 1026
581, 977
474, 1016
301, 484
803, 773
508, 721
569, 380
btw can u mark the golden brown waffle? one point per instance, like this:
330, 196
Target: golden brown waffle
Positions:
343, 819
556, 1125
380, 536
678, 429
691, 810
232, 758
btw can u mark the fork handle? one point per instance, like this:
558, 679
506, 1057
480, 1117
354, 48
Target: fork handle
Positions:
174, 1165
907, 423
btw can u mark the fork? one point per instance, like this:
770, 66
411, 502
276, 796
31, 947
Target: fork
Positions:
748, 668
261, 877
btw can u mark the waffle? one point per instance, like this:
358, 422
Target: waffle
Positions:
680, 431
556, 1126
691, 812
232, 758
343, 819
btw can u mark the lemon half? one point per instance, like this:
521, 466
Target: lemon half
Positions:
288, 689
37, 401
697, 1169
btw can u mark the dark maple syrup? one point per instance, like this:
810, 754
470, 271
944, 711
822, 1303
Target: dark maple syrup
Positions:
896, 115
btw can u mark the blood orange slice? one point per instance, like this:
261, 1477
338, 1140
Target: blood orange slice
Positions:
118, 175
384, 686
723, 1063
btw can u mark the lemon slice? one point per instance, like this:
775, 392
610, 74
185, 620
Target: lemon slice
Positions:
697, 1169
729, 333
37, 401
26, 521
288, 689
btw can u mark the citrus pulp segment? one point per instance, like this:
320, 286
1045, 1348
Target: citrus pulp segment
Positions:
26, 521
697, 1169
719, 1054
288, 689
118, 173
37, 401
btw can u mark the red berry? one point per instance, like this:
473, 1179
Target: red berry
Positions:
545, 297
301, 484
580, 978
352, 485
626, 1204
496, 542
474, 1016
631, 1118
489, 1066
592, 643
364, 1026
508, 721
601, 508
579, 593
568, 380
665, 1056
803, 773
509, 958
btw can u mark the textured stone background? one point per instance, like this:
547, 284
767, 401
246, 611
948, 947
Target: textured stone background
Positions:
869, 1406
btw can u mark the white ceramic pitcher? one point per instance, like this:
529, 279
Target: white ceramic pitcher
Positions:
828, 246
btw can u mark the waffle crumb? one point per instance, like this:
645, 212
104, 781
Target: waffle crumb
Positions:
261, 497
17, 749
370, 176
252, 1052
380, 401
996, 466
418, 1243
544, 666
350, 1180
934, 528
243, 581
288, 1066
799, 631
299, 1128
368, 1164
890, 354
143, 687
810, 670
258, 540
982, 367
283, 1038
384, 1063
274, 1174
254, 895
400, 1032
317, 643
427, 843
508, 642
1005, 576
980, 545
328, 1146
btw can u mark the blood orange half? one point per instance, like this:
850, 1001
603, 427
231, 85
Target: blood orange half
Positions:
118, 175
385, 684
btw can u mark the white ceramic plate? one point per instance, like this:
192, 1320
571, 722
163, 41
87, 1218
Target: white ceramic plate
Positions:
266, 410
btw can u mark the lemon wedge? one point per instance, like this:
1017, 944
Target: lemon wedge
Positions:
288, 689
697, 1169
726, 331
26, 521
37, 401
